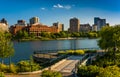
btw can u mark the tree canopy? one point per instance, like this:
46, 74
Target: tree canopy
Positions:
6, 46
110, 36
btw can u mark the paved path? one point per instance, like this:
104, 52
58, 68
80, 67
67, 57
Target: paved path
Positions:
68, 65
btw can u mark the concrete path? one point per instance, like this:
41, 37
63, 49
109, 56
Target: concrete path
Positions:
68, 65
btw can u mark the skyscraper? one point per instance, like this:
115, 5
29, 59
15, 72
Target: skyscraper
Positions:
99, 22
74, 25
34, 20
59, 26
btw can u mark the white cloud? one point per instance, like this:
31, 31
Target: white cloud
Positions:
43, 8
67, 7
58, 6
62, 6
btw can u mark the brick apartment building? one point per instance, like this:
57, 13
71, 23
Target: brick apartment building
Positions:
34, 29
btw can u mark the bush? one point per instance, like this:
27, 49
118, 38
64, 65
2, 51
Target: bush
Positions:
79, 52
107, 60
48, 73
75, 52
70, 52
88, 71
110, 71
2, 74
90, 51
3, 68
26, 66
61, 52
12, 68
95, 71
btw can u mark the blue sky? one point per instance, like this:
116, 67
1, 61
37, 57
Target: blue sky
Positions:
50, 11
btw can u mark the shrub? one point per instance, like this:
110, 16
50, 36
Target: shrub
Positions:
88, 71
75, 52
48, 73
90, 51
2, 74
27, 66
79, 52
12, 68
61, 52
3, 68
70, 52
110, 71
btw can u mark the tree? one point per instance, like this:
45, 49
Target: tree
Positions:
109, 35
25, 34
63, 34
6, 46
21, 34
110, 38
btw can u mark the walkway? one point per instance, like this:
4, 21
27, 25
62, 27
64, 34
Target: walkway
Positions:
68, 65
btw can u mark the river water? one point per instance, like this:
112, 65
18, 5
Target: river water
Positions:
23, 50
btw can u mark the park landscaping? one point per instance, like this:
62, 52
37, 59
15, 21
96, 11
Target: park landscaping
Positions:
109, 64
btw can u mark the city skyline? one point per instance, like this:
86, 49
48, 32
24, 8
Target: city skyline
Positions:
51, 11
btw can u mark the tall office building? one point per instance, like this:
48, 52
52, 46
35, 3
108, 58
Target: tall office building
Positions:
99, 22
59, 26
34, 20
74, 25
21, 23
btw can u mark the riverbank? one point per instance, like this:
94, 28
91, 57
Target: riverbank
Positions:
48, 39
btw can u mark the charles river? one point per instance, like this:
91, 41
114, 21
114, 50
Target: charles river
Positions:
23, 50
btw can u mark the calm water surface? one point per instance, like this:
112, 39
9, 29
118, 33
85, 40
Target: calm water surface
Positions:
23, 50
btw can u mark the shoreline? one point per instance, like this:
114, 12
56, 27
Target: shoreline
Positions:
47, 39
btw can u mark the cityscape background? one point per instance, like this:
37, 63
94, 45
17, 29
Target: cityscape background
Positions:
50, 11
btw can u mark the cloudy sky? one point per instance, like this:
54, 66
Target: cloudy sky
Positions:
50, 11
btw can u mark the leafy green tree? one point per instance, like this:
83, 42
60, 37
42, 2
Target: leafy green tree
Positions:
63, 34
6, 46
53, 36
45, 34
25, 34
109, 36
75, 34
19, 35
